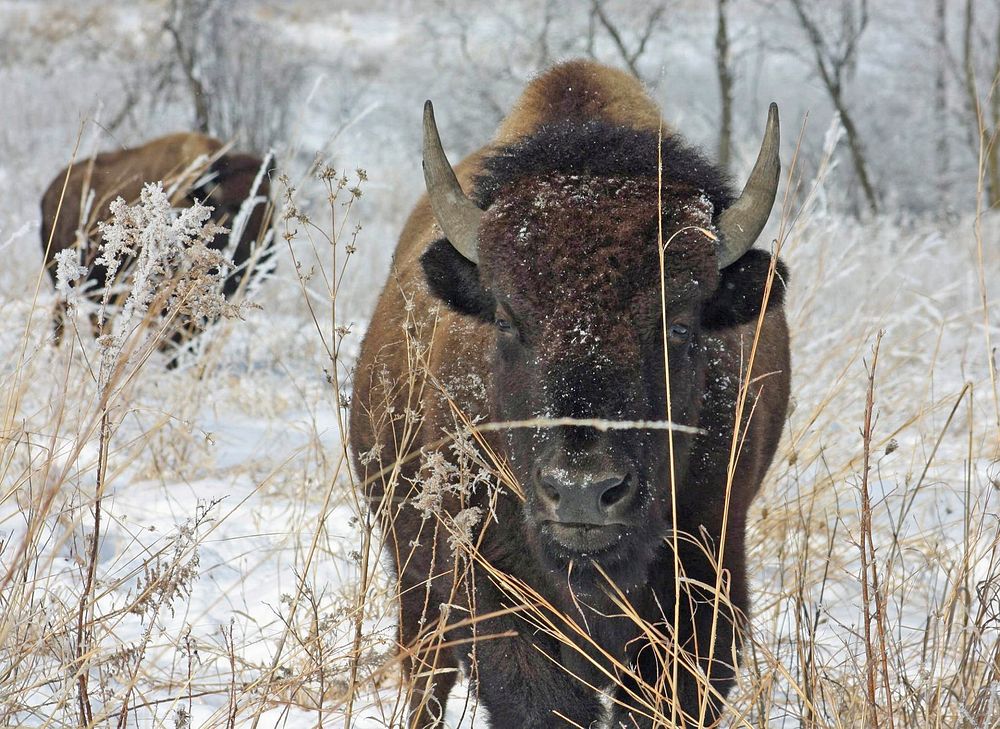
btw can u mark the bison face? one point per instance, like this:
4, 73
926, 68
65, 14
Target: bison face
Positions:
599, 280
568, 274
572, 264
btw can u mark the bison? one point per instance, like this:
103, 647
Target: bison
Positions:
600, 324
194, 166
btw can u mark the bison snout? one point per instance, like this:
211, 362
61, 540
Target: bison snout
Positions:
592, 499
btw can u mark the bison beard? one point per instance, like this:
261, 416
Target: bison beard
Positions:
546, 293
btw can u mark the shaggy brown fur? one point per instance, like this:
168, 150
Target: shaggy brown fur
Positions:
604, 268
580, 91
562, 318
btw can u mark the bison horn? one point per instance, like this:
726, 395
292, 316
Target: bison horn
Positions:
741, 223
457, 215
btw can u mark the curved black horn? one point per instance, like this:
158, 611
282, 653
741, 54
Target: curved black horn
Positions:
457, 215
741, 223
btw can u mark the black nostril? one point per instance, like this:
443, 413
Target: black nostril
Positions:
616, 493
550, 492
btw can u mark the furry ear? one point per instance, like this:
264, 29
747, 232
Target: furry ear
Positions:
454, 279
741, 291
209, 191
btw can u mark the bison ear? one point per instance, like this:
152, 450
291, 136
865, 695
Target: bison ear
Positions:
454, 279
208, 191
740, 294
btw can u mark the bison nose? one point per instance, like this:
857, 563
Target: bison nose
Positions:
596, 499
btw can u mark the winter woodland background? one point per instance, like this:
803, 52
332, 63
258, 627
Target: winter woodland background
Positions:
232, 581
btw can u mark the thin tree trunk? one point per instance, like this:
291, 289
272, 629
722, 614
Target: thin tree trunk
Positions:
857, 153
722, 64
830, 70
970, 76
986, 118
967, 64
186, 57
544, 54
941, 104
993, 138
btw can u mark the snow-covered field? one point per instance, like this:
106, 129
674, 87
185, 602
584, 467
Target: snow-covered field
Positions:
233, 582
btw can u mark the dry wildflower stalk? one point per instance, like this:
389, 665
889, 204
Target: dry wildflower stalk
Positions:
869, 572
292, 214
175, 271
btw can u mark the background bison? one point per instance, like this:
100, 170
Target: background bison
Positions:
191, 166
544, 305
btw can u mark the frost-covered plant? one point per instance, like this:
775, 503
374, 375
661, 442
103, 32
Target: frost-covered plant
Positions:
68, 272
170, 574
461, 475
463, 523
175, 273
440, 476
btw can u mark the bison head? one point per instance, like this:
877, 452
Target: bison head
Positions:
560, 252
231, 181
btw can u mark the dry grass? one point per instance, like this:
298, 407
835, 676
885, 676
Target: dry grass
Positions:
189, 547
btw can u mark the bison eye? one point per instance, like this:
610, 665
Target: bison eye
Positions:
679, 332
504, 325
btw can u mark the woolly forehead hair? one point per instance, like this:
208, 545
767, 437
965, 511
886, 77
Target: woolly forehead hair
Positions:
571, 220
597, 148
579, 248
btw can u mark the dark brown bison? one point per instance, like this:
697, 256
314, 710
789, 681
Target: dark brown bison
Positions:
540, 304
193, 166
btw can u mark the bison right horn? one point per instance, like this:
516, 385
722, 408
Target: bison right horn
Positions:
457, 215
741, 223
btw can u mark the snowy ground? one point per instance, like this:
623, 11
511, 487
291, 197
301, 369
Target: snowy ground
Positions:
229, 562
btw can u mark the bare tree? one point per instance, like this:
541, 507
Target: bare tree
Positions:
254, 84
485, 77
985, 107
533, 34
725, 73
630, 56
943, 149
241, 86
184, 19
835, 59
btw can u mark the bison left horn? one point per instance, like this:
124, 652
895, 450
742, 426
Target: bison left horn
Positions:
457, 215
741, 223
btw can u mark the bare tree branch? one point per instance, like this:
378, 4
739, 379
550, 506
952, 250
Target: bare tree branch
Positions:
942, 150
831, 67
591, 30
630, 58
181, 11
724, 72
544, 53
654, 18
